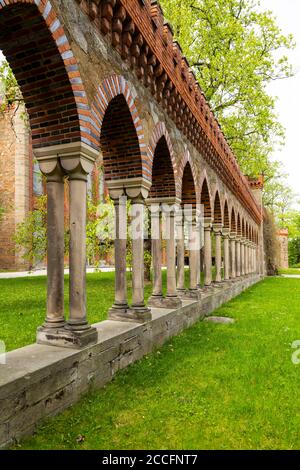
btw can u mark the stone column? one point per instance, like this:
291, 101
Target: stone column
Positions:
120, 307
247, 257
140, 311
238, 255
207, 253
172, 300
252, 258
180, 255
242, 256
233, 259
77, 325
55, 245
157, 295
226, 254
217, 228
76, 161
194, 252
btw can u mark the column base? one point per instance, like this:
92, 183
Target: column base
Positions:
172, 302
194, 294
135, 315
156, 301
65, 338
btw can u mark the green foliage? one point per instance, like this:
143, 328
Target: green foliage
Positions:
294, 252
99, 230
9, 89
31, 234
236, 50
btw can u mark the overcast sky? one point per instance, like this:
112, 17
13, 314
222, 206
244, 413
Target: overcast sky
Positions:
288, 91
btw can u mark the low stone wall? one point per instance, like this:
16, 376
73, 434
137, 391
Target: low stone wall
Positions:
39, 381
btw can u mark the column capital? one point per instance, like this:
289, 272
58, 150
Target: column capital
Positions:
233, 235
226, 233
76, 159
217, 228
207, 223
134, 188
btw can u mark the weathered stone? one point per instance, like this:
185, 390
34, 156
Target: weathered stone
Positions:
224, 320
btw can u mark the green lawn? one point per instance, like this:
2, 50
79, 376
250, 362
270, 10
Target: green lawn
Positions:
212, 387
23, 305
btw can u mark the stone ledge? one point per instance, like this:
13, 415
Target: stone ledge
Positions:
40, 381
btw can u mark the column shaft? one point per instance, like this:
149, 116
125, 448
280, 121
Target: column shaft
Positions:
226, 258
218, 256
55, 252
172, 299
233, 261
120, 303
138, 302
156, 254
77, 257
180, 257
207, 256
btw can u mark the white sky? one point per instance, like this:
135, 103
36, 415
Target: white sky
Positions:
287, 91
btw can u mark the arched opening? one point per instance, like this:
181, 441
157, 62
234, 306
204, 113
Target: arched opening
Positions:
34, 43
41, 73
226, 216
188, 195
162, 196
163, 179
233, 221
217, 248
217, 217
188, 203
239, 226
119, 142
122, 161
205, 200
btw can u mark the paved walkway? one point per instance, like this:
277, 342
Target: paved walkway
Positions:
291, 276
43, 272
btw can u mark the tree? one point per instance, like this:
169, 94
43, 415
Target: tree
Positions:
236, 50
10, 93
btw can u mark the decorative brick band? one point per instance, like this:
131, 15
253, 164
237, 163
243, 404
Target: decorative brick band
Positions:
138, 31
113, 87
52, 89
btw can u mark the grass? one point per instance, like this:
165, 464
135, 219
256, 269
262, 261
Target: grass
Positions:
23, 305
290, 271
212, 387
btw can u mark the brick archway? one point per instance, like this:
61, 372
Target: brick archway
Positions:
226, 215
217, 215
52, 87
233, 221
113, 93
205, 199
187, 160
239, 226
160, 146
